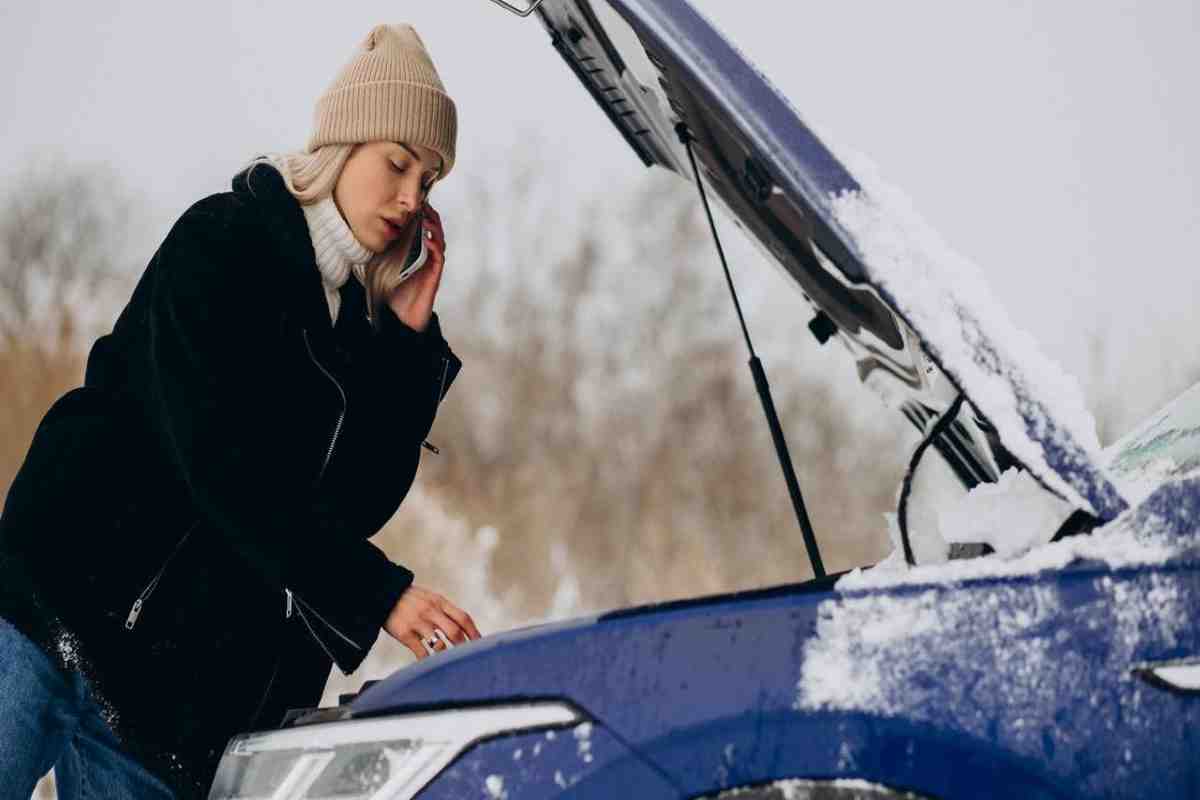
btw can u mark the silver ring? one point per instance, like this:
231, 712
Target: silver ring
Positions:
432, 642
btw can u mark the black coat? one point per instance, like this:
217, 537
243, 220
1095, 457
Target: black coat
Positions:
226, 459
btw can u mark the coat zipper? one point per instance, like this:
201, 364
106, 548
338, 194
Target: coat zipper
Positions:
296, 604
292, 601
442, 387
428, 445
262, 701
136, 610
341, 416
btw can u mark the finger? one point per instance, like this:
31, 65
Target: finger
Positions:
434, 246
414, 644
461, 617
433, 221
430, 639
433, 278
434, 232
422, 278
449, 627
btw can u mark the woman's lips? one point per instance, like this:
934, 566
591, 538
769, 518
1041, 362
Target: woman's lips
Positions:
392, 228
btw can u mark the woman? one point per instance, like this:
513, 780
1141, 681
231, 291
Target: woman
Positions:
184, 550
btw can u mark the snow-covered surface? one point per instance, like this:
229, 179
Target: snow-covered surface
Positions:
1012, 515
878, 642
494, 786
801, 789
1138, 537
1016, 515
1037, 406
871, 651
583, 738
993, 649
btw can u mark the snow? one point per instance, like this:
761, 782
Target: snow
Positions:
495, 787
884, 634
1113, 545
583, 737
803, 789
68, 649
1012, 515
1016, 514
1036, 406
886, 653
934, 485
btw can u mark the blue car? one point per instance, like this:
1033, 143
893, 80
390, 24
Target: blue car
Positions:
1046, 645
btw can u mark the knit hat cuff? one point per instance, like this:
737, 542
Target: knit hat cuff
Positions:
395, 111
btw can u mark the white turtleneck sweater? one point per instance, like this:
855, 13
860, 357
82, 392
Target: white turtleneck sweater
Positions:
338, 251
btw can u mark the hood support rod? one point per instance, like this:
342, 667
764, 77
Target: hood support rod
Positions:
760, 379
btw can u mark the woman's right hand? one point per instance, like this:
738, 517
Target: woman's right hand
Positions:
412, 301
419, 613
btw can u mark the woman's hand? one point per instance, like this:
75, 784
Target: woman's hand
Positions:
412, 301
419, 614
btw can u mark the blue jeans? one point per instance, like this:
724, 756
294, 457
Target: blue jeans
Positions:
48, 719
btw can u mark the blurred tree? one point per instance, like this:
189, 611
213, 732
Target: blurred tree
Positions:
62, 232
606, 412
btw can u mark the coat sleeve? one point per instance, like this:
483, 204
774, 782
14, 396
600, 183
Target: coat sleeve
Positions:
223, 399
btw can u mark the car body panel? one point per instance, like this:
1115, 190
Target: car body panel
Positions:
998, 678
585, 761
1020, 682
1032, 671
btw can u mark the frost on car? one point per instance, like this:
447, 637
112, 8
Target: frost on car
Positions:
1040, 643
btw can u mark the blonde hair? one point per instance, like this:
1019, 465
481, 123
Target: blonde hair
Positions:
311, 177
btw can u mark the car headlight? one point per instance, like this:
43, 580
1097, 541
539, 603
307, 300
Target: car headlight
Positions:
391, 757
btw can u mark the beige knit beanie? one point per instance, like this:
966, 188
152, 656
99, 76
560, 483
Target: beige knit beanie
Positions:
388, 91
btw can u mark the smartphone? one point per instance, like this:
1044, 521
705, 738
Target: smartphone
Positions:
417, 253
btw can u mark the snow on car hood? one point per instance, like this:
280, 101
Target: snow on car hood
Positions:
1032, 638
918, 318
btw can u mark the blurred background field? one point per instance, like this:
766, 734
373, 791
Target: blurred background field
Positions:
604, 444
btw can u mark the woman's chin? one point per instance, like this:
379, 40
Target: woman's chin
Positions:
376, 244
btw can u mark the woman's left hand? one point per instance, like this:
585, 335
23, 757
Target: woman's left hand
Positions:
421, 618
412, 301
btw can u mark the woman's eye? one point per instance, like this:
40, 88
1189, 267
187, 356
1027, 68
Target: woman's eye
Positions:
398, 167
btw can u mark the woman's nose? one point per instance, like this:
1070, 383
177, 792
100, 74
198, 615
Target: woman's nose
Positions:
411, 198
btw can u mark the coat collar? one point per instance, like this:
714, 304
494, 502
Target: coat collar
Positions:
261, 186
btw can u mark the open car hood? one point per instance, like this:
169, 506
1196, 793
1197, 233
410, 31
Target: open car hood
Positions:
917, 319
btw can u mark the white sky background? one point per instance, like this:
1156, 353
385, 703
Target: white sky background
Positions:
1053, 143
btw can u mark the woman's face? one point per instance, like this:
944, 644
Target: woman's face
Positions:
382, 187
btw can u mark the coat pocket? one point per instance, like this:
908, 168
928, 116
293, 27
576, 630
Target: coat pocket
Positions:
313, 620
135, 610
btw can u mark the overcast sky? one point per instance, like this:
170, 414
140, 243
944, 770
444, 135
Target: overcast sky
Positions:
1054, 143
